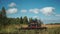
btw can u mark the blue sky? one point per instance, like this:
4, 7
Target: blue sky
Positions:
46, 10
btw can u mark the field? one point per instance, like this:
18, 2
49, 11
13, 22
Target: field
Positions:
51, 26
14, 29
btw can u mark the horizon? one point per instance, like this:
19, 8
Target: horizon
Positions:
46, 10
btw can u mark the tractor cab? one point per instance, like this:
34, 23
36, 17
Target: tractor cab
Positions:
33, 24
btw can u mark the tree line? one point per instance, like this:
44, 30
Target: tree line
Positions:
4, 20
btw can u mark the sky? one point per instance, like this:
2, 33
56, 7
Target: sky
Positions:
46, 10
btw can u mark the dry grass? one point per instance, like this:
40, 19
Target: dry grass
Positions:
51, 26
12, 28
48, 26
22, 25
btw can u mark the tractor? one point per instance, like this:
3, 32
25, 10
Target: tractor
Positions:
34, 25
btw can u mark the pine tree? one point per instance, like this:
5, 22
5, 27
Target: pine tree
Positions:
30, 20
0, 14
3, 12
4, 17
0, 17
25, 20
21, 20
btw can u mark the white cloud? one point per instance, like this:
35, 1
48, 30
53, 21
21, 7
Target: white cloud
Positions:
36, 11
12, 10
36, 17
12, 4
47, 10
24, 11
57, 15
